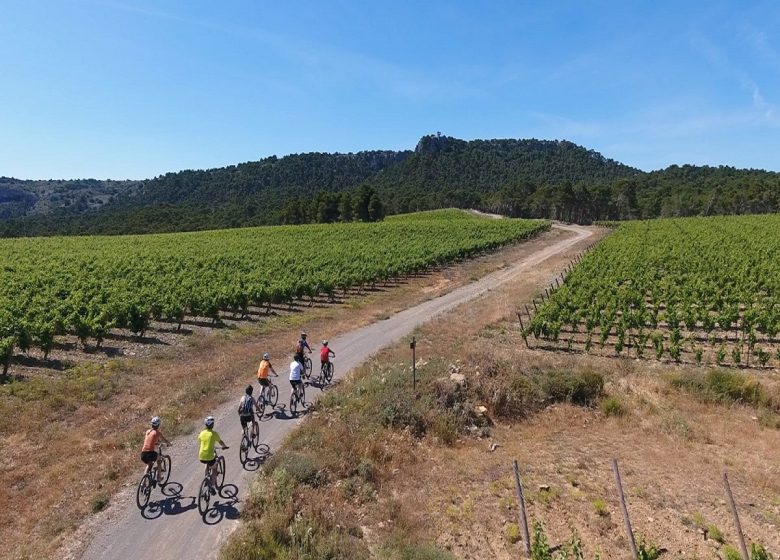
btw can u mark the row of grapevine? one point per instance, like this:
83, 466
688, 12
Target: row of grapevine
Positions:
705, 287
89, 285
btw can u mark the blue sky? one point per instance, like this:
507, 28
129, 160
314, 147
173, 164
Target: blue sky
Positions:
131, 89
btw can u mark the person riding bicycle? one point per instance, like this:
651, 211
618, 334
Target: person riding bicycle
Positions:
246, 408
296, 370
149, 450
208, 439
262, 374
326, 353
300, 347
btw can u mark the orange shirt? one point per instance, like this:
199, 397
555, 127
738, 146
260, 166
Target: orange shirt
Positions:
262, 371
150, 440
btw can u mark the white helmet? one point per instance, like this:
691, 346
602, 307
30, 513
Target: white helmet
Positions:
266, 356
156, 422
209, 421
324, 342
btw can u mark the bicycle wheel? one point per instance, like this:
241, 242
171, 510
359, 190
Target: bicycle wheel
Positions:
302, 395
164, 473
328, 372
220, 471
307, 367
260, 407
144, 491
273, 395
294, 402
255, 435
243, 449
204, 496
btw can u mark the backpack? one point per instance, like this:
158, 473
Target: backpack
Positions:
245, 406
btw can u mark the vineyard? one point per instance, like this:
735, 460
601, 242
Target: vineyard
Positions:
87, 286
695, 290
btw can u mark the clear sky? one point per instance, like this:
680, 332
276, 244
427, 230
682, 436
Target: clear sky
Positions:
134, 88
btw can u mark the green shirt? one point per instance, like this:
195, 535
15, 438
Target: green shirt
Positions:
208, 439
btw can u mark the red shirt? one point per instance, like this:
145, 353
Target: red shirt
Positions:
324, 354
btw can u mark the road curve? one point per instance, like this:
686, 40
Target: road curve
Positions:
173, 528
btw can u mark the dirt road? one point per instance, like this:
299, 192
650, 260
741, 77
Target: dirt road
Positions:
171, 527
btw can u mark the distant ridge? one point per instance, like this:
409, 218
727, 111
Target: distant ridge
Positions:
528, 178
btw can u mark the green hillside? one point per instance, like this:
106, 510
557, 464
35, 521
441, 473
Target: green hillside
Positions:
520, 178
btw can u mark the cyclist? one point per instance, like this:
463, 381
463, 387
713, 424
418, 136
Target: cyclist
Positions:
262, 375
296, 369
208, 439
300, 347
149, 450
246, 408
325, 354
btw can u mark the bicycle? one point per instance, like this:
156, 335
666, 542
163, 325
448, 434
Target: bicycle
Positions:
326, 372
159, 473
204, 495
273, 397
297, 397
250, 437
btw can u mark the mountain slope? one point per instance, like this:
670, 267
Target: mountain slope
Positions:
524, 178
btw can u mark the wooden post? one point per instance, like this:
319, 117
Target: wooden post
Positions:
521, 500
629, 530
413, 346
556, 283
536, 310
527, 312
737, 524
522, 331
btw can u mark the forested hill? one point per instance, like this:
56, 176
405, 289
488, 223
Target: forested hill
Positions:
526, 178
446, 172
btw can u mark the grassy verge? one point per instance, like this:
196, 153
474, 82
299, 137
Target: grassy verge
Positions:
313, 496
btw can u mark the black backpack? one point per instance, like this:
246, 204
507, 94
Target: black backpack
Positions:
245, 406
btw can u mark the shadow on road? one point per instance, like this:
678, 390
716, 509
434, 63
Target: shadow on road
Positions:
224, 506
263, 454
170, 503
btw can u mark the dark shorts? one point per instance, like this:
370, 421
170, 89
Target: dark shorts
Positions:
209, 463
294, 383
264, 382
245, 420
148, 456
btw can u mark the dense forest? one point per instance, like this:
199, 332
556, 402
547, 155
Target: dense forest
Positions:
523, 178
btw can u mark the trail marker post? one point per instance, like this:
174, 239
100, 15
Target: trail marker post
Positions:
413, 346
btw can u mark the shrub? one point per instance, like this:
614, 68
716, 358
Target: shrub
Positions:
600, 506
715, 533
301, 468
758, 552
582, 388
646, 551
512, 533
731, 553
612, 406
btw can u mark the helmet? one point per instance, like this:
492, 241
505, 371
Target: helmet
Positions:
303, 335
156, 422
248, 390
209, 421
324, 342
266, 356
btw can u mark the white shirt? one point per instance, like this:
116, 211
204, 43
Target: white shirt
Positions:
295, 371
